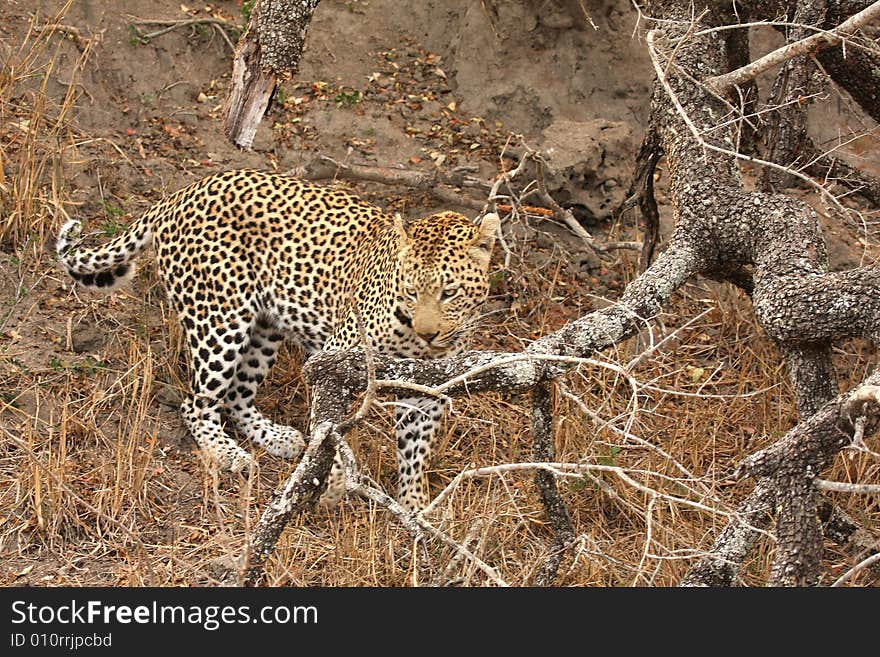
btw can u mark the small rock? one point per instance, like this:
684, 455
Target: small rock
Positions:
225, 570
86, 338
556, 20
543, 241
190, 120
590, 262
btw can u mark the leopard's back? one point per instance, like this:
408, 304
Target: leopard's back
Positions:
285, 250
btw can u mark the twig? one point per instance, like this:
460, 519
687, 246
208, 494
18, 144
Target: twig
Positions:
846, 487
218, 25
573, 470
476, 527
649, 526
74, 33
507, 359
631, 437
505, 178
554, 505
870, 561
415, 523
774, 24
566, 217
673, 97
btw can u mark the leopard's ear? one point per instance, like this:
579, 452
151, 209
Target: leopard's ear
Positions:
488, 228
400, 228
481, 247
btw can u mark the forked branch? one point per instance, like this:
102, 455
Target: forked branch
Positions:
721, 84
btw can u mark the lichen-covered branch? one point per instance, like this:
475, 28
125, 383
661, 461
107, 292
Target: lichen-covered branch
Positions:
721, 566
786, 135
642, 300
816, 441
304, 486
801, 306
474, 372
793, 464
857, 70
786, 473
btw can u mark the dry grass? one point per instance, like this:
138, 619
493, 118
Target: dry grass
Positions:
100, 485
35, 137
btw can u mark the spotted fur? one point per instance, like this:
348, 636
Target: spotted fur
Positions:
249, 258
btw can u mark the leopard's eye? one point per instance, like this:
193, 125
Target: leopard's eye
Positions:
449, 292
410, 292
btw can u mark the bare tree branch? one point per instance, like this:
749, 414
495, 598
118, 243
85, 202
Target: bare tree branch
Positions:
721, 84
862, 565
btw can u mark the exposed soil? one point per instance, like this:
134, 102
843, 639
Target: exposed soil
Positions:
99, 482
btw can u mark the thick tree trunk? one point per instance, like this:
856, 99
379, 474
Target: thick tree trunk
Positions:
796, 301
857, 70
269, 51
786, 137
854, 67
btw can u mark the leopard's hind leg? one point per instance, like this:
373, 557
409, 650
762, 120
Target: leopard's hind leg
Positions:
256, 361
216, 345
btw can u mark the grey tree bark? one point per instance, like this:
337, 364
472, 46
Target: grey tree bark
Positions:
268, 51
854, 68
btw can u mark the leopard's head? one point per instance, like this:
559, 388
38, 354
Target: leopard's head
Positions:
444, 276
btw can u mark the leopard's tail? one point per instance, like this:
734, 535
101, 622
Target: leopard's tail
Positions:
108, 266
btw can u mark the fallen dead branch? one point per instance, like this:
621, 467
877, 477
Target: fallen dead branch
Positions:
449, 188
431, 182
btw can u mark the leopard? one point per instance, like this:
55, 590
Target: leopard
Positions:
251, 258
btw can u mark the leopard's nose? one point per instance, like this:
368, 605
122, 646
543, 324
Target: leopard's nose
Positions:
428, 337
